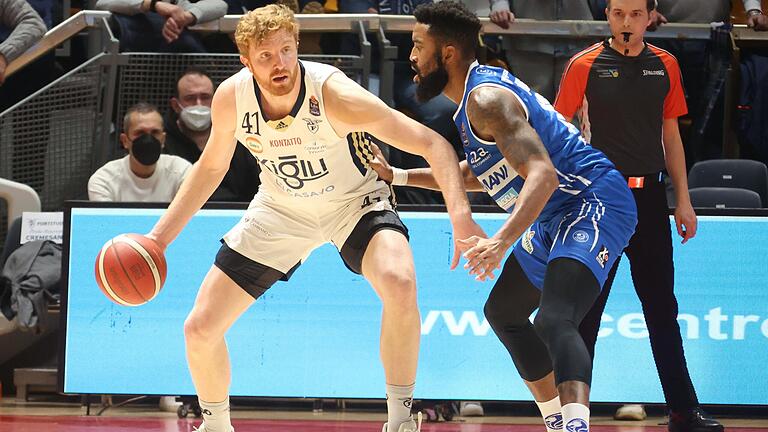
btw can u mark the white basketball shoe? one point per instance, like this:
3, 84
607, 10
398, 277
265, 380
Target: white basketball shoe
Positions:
202, 428
409, 426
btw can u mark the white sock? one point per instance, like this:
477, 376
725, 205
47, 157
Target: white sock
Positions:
575, 417
216, 415
550, 412
399, 400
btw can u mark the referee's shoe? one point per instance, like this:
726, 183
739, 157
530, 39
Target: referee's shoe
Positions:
695, 420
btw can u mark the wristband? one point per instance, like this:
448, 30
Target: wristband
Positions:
754, 12
152, 4
399, 177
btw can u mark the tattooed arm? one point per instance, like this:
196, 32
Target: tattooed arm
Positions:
496, 115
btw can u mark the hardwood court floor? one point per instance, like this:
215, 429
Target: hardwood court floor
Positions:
34, 417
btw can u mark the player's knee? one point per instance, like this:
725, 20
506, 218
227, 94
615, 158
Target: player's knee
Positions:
548, 324
503, 316
197, 331
496, 315
398, 288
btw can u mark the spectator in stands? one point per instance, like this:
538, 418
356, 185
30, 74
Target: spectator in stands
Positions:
20, 28
161, 25
144, 174
435, 113
539, 61
704, 64
691, 11
188, 126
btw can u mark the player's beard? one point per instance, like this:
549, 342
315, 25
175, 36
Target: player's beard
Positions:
433, 83
283, 88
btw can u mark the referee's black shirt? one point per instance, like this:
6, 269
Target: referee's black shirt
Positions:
623, 103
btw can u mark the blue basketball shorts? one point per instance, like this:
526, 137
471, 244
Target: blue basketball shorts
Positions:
593, 228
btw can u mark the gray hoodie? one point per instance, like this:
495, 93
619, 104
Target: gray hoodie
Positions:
700, 11
27, 28
203, 10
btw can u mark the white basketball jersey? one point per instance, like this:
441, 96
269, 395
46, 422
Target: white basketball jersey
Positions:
303, 161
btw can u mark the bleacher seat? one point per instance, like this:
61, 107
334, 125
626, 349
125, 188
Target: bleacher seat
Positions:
731, 173
718, 197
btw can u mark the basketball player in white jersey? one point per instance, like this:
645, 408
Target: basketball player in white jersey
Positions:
308, 125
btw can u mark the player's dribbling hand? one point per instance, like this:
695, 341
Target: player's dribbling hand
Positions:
483, 256
380, 164
685, 219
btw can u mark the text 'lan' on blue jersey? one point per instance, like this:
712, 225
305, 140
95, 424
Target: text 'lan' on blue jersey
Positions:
577, 163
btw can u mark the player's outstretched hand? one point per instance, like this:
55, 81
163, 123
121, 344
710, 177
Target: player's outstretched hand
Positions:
380, 164
463, 231
483, 256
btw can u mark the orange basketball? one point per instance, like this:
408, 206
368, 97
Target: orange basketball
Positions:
130, 269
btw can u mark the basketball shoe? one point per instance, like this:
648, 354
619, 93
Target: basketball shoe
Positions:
409, 426
202, 428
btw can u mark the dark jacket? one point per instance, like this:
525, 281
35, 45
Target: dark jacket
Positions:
240, 183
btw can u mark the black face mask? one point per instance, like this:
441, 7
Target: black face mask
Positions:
432, 84
146, 149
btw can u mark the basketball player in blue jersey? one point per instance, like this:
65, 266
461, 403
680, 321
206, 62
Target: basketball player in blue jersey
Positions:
573, 210
302, 121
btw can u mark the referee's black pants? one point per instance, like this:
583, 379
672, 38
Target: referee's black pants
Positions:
650, 258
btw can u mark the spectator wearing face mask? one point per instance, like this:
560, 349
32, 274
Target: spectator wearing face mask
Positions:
144, 174
188, 126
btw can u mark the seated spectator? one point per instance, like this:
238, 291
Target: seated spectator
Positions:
435, 113
703, 64
157, 25
188, 126
20, 28
144, 174
539, 61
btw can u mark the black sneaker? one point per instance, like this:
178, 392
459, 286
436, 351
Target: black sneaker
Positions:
695, 420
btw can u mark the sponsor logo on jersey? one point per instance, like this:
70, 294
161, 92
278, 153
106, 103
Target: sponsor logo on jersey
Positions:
527, 241
608, 73
580, 236
659, 72
306, 194
507, 200
254, 145
497, 176
554, 421
296, 172
281, 124
285, 142
314, 106
602, 256
312, 125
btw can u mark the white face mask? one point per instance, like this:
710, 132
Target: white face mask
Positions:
196, 117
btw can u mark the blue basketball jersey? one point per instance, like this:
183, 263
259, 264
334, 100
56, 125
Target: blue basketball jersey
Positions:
578, 164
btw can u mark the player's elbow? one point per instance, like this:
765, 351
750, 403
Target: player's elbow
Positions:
548, 178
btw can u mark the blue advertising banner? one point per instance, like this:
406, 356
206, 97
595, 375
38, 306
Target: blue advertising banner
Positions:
318, 334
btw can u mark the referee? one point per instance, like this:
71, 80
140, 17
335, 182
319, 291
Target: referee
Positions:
628, 95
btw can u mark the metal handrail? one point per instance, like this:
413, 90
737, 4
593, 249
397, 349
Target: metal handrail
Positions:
56, 36
391, 23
